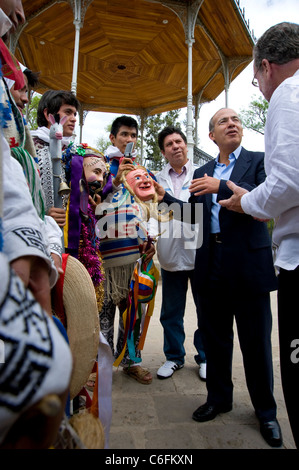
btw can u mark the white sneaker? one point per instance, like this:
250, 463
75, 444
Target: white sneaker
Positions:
202, 371
168, 368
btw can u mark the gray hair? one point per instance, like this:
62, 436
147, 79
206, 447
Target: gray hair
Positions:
211, 124
211, 121
279, 44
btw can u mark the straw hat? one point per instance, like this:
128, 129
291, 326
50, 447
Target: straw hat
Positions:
80, 317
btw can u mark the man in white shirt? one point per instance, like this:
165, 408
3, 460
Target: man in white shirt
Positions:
276, 70
177, 260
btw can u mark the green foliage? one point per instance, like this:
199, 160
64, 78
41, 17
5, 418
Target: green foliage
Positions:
254, 118
154, 160
102, 143
31, 112
270, 225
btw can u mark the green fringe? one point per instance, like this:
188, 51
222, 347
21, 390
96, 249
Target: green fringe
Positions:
32, 177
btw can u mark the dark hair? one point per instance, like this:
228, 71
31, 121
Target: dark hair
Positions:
168, 131
52, 100
279, 44
123, 121
32, 77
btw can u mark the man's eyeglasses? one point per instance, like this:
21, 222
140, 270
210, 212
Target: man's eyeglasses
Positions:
254, 80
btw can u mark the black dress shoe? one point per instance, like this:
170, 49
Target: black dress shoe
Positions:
207, 412
271, 432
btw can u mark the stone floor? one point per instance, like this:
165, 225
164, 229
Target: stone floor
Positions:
158, 416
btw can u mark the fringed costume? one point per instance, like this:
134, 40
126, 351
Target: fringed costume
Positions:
80, 239
120, 242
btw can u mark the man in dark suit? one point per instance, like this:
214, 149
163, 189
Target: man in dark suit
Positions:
235, 274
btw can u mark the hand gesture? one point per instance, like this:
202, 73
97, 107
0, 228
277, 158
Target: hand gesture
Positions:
124, 164
205, 185
234, 202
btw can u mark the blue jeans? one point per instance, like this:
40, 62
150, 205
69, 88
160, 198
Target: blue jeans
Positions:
174, 293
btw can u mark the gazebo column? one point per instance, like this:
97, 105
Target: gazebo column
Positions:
79, 8
189, 129
197, 107
82, 114
187, 13
143, 116
78, 26
192, 12
226, 76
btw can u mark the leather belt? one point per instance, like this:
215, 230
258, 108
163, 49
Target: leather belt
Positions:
216, 237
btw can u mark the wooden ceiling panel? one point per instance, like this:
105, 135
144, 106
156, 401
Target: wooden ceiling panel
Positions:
57, 83
203, 48
227, 29
168, 74
171, 105
95, 43
48, 58
106, 95
209, 91
47, 28
90, 82
200, 71
133, 55
32, 6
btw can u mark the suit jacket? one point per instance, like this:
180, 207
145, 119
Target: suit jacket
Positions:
247, 261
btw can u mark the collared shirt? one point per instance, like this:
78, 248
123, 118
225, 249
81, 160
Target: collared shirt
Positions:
176, 246
178, 178
278, 196
222, 172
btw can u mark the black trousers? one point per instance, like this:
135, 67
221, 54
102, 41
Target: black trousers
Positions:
288, 322
220, 304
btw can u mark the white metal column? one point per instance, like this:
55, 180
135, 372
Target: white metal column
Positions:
189, 129
78, 26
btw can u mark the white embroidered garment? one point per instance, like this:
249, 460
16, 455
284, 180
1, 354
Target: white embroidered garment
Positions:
43, 133
36, 358
114, 152
278, 196
41, 138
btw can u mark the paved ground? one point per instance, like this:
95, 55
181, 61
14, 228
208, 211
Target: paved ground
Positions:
158, 416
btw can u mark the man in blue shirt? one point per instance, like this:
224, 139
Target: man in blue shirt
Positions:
235, 274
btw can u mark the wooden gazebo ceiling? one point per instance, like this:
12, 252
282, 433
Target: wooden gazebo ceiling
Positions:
133, 55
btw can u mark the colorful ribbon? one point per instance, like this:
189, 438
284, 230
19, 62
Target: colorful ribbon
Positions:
141, 301
10, 67
74, 224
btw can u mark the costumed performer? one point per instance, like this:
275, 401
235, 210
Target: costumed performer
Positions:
145, 277
124, 226
87, 174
